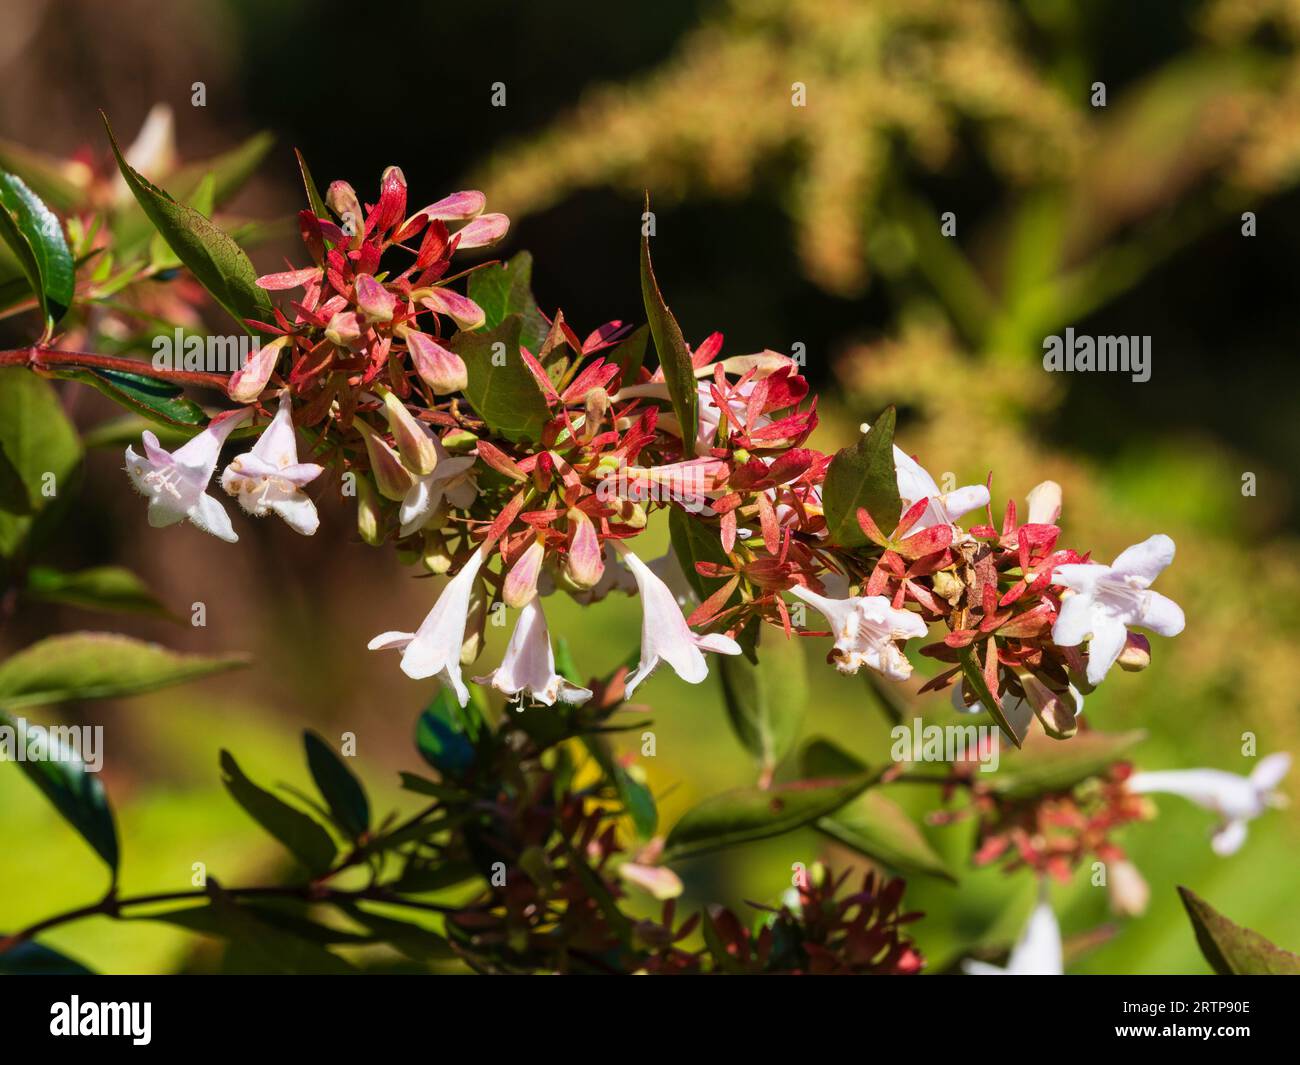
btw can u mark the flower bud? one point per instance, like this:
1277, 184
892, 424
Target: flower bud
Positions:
393, 479
1136, 655
344, 330
520, 585
414, 444
436, 556
1056, 710
1044, 503
460, 309
459, 440
442, 370
373, 300
369, 516
342, 200
584, 564
1128, 890
596, 404
247, 383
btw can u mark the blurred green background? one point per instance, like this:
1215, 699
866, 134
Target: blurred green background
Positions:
778, 225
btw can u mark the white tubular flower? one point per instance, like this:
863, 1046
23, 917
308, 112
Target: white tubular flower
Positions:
1038, 951
176, 482
1108, 599
269, 479
665, 636
915, 483
450, 481
434, 648
865, 630
528, 667
1236, 799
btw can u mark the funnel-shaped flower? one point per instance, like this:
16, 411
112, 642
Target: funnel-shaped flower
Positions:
1107, 599
528, 667
434, 648
176, 482
1235, 798
247, 382
1038, 951
865, 630
450, 479
269, 478
915, 483
665, 636
520, 586
414, 444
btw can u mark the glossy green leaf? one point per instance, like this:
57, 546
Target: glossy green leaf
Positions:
58, 771
110, 588
670, 345
314, 199
1056, 765
863, 476
447, 735
35, 235
1231, 949
501, 389
98, 665
505, 290
338, 786
303, 837
156, 400
747, 814
40, 452
218, 263
766, 699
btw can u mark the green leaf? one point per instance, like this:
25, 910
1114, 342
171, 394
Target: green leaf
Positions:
629, 353
747, 814
161, 256
417, 943
40, 450
505, 290
32, 959
338, 785
159, 401
1231, 949
447, 736
671, 348
98, 665
505, 396
109, 588
304, 838
695, 542
73, 790
975, 678
1054, 765
863, 476
218, 263
35, 234
766, 700
314, 199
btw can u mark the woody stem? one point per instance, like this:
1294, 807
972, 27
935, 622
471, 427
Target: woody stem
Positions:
39, 358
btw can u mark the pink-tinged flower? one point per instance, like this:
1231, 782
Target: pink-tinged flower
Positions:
458, 207
460, 309
615, 578
669, 570
1038, 951
434, 648
866, 629
1236, 799
392, 478
665, 636
176, 482
269, 478
520, 586
915, 484
1105, 600
484, 230
1044, 503
528, 668
451, 480
442, 370
247, 383
658, 881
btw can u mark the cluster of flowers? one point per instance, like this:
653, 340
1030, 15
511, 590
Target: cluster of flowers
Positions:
365, 364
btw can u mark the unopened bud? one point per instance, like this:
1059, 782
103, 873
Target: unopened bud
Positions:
584, 564
342, 200
373, 300
393, 479
247, 383
1044, 503
1136, 655
1128, 890
596, 405
369, 516
436, 556
520, 585
413, 442
344, 331
475, 623
442, 370
1057, 711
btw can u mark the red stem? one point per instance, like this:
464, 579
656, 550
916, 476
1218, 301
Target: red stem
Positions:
42, 358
